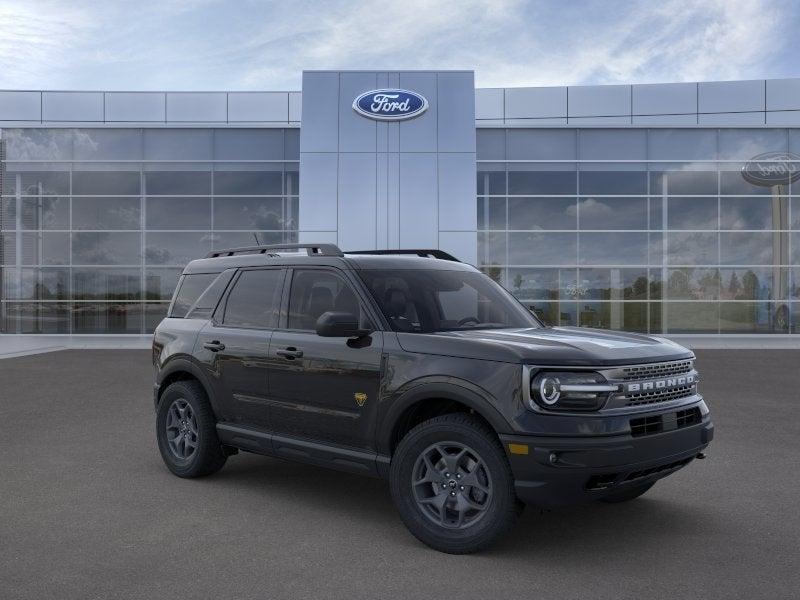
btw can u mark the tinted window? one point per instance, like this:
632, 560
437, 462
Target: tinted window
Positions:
317, 292
429, 301
189, 291
253, 301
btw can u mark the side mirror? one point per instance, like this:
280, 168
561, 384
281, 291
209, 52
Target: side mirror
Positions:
339, 324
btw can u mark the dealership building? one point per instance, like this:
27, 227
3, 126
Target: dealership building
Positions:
663, 208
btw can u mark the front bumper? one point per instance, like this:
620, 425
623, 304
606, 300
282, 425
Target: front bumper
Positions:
588, 468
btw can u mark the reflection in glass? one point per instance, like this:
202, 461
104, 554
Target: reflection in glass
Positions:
542, 183
160, 283
692, 213
106, 248
612, 213
613, 284
692, 317
693, 284
44, 212
492, 248
176, 248
753, 213
628, 248
249, 213
683, 182
555, 314
94, 212
543, 284
536, 214
754, 317
35, 317
106, 284
112, 183
491, 213
542, 248
248, 182
692, 248
178, 213
36, 183
612, 183
47, 248
177, 183
154, 313
40, 284
753, 248
106, 317
491, 182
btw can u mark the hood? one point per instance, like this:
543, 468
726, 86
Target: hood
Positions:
568, 346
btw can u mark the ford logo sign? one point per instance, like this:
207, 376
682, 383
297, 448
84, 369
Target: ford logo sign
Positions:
772, 168
390, 105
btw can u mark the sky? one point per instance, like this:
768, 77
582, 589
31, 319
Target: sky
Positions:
259, 45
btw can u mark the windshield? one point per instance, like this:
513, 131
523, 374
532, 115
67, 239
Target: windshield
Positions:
427, 301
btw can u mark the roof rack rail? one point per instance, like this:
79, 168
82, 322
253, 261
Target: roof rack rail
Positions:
313, 250
424, 253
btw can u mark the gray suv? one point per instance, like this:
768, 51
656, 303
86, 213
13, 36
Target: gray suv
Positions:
412, 366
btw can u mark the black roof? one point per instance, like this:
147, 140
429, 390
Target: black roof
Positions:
326, 255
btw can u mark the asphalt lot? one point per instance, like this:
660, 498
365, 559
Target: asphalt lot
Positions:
87, 510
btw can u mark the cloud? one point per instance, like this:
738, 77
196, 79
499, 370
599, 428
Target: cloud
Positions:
212, 44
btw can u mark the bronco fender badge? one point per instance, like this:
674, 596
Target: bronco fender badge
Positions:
360, 397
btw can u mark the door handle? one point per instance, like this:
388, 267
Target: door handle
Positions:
214, 346
290, 353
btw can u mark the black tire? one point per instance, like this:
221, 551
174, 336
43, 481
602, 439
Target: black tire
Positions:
627, 495
499, 504
206, 456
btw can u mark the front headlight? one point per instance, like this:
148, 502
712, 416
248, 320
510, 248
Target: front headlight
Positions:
570, 390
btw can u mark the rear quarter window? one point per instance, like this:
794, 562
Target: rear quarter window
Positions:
190, 288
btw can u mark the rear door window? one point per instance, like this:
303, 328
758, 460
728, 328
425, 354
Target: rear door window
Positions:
254, 300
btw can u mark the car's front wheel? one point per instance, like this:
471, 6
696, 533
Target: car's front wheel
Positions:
186, 431
452, 484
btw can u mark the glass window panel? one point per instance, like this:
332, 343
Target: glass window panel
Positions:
8, 214
38, 144
33, 317
744, 144
117, 183
795, 241
541, 144
613, 249
491, 213
42, 284
555, 314
656, 284
36, 183
8, 248
291, 144
107, 144
238, 239
613, 182
751, 213
656, 213
684, 183
612, 144
682, 144
491, 181
752, 283
106, 317
732, 182
292, 180
693, 284
692, 248
692, 213
794, 219
522, 181
106, 248
794, 308
249, 213
747, 248
106, 284
542, 284
45, 248
492, 248
542, 213
255, 299
160, 283
613, 284
753, 317
178, 144
691, 317
542, 248
490, 144
612, 213
178, 213
248, 144
106, 213
45, 212
154, 313
625, 316
267, 182
177, 183
794, 283
656, 310
497, 274
175, 248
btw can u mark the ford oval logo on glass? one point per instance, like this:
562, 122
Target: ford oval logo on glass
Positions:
772, 168
390, 105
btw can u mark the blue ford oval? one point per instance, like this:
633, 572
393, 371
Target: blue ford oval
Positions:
390, 105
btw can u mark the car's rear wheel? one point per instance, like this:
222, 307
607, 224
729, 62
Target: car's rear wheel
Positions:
452, 484
628, 494
186, 431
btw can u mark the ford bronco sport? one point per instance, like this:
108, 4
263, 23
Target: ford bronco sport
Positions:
412, 366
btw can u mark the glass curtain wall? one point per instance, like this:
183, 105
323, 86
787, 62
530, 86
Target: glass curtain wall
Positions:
659, 231
96, 224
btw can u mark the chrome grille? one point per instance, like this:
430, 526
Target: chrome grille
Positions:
656, 370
